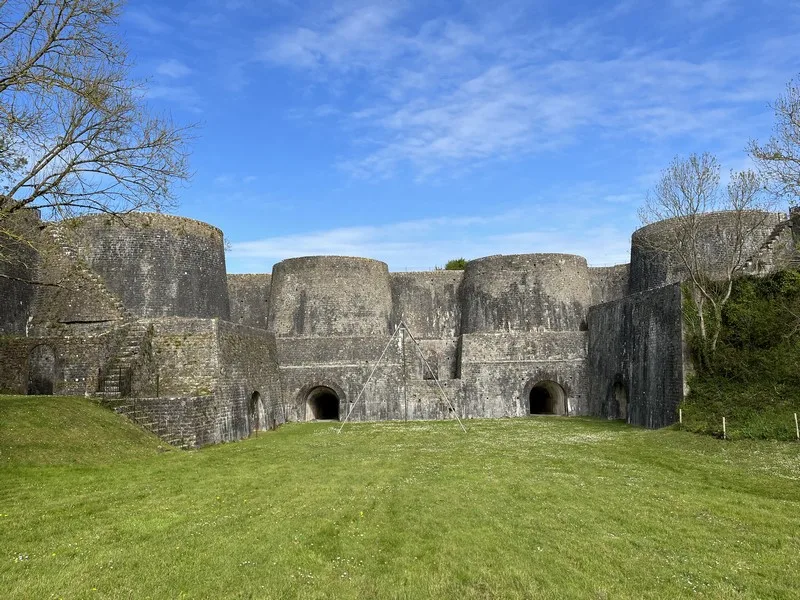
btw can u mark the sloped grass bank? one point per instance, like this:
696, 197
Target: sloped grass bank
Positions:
754, 378
51, 430
522, 508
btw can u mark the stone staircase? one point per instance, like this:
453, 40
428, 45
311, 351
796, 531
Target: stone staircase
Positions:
114, 380
762, 261
81, 271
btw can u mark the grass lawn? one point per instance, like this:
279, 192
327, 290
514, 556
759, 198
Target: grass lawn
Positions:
90, 507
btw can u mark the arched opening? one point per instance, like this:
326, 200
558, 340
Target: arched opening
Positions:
323, 404
255, 412
621, 399
547, 398
41, 370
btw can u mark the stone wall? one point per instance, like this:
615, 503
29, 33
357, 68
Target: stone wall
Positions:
18, 263
157, 265
185, 356
330, 296
525, 292
249, 378
653, 266
427, 302
76, 365
635, 360
608, 283
499, 371
249, 299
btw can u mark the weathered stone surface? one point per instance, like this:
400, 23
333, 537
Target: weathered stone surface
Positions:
525, 292
18, 264
157, 265
330, 295
150, 323
636, 369
249, 299
651, 267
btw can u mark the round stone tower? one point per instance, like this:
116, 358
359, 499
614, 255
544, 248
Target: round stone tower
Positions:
525, 292
653, 266
330, 296
157, 265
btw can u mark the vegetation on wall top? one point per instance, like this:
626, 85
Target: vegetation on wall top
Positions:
753, 379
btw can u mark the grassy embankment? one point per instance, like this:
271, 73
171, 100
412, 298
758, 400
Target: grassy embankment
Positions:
754, 377
524, 508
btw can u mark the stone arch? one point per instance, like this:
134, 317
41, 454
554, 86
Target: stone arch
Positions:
41, 370
323, 400
545, 397
255, 413
619, 395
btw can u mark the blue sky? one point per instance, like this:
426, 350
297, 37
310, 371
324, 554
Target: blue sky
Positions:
415, 132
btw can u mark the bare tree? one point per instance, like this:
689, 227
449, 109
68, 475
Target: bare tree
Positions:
75, 132
779, 159
708, 252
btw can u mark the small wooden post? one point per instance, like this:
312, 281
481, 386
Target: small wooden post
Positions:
724, 430
680, 416
796, 427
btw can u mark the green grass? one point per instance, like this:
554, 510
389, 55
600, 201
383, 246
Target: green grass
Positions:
516, 508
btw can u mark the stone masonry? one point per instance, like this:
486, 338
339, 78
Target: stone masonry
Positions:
143, 316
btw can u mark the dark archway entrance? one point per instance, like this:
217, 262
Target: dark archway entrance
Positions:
547, 398
323, 404
621, 399
255, 412
41, 370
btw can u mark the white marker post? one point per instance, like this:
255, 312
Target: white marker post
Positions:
680, 416
796, 427
724, 430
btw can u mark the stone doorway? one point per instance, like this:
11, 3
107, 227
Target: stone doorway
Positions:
322, 404
547, 398
621, 399
255, 411
41, 370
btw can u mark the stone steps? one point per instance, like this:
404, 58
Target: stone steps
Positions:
67, 249
762, 259
122, 362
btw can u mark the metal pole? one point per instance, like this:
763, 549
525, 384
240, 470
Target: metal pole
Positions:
435, 378
405, 379
375, 368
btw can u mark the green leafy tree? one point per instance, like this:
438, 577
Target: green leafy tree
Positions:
457, 264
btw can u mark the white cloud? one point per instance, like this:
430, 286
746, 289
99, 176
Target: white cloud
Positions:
146, 22
425, 243
173, 68
184, 96
455, 92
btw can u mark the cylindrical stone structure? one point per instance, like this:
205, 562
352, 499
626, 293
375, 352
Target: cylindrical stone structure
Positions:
157, 265
654, 261
330, 296
525, 292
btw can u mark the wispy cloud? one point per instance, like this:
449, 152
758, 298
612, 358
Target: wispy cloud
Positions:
183, 95
173, 68
147, 22
454, 91
424, 243
227, 180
